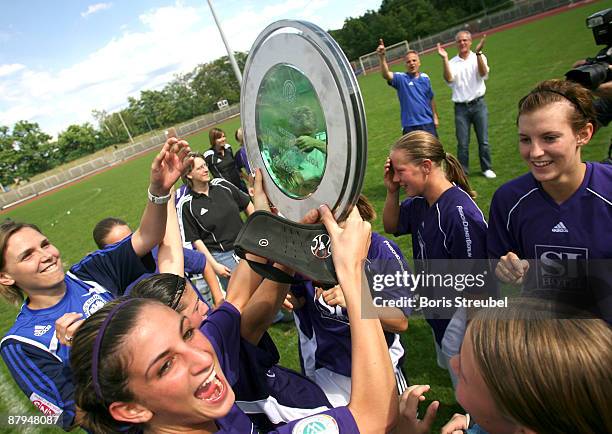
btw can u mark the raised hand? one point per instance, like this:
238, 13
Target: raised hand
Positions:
381, 50
391, 185
442, 52
168, 165
480, 45
350, 243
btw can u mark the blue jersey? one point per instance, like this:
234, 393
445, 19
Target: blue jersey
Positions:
329, 325
448, 238
194, 263
570, 243
415, 95
31, 350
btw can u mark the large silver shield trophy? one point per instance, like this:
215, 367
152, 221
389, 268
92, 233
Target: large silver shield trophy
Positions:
303, 121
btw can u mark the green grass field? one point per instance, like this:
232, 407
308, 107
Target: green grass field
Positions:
519, 58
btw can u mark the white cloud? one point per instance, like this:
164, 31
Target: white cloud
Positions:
175, 39
92, 9
10, 69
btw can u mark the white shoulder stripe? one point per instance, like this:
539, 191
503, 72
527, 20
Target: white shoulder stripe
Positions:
440, 226
208, 153
516, 204
277, 412
600, 196
219, 183
477, 207
31, 342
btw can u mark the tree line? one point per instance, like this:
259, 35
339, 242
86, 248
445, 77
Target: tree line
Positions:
407, 20
26, 150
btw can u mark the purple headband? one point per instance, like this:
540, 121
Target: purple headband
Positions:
95, 358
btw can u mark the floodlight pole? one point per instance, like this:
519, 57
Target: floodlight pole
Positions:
125, 126
230, 53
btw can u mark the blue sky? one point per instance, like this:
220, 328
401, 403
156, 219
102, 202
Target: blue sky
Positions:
61, 59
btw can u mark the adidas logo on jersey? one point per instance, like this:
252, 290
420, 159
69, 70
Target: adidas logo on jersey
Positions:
203, 211
40, 330
560, 227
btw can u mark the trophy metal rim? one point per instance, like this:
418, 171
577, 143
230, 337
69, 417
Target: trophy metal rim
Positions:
309, 48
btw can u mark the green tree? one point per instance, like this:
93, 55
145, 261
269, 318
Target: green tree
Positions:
76, 141
215, 81
182, 97
22, 151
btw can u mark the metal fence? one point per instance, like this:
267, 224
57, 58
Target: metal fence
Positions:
32, 189
520, 10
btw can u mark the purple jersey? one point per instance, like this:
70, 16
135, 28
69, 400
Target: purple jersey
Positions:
242, 160
568, 242
335, 421
452, 228
222, 328
448, 238
329, 325
270, 394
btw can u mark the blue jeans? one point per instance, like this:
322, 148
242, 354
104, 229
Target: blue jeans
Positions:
472, 113
430, 128
230, 260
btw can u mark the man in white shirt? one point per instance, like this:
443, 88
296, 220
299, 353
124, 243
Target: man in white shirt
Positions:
466, 74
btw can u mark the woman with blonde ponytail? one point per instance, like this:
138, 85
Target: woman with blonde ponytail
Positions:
445, 223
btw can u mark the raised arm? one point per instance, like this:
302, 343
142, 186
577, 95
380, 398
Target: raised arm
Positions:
165, 171
483, 69
374, 402
448, 76
170, 257
384, 67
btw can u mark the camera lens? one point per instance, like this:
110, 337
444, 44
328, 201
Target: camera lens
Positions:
589, 75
